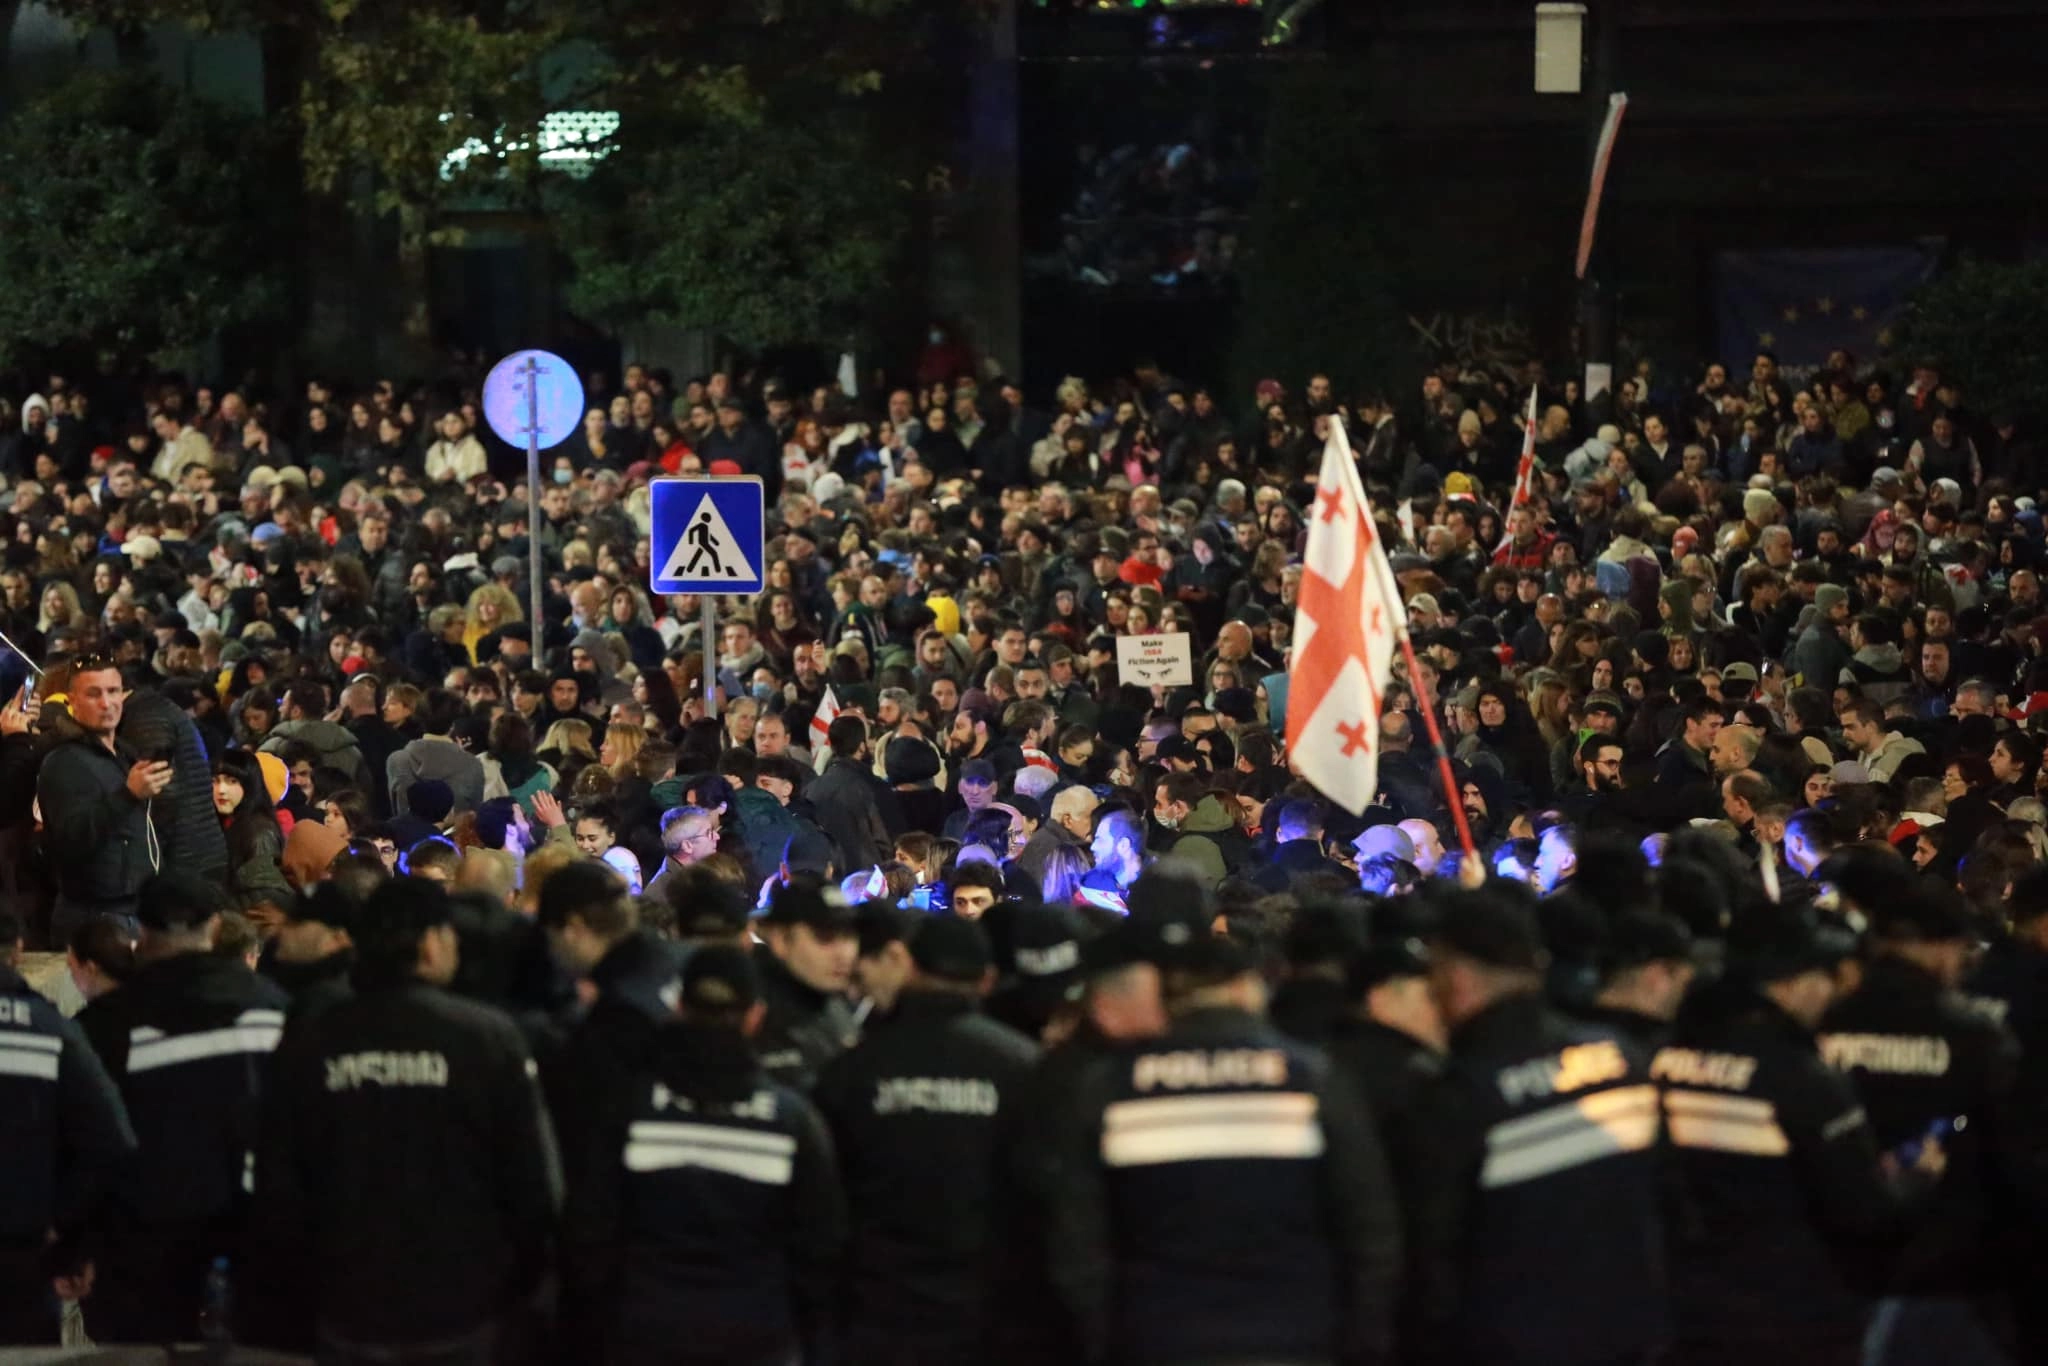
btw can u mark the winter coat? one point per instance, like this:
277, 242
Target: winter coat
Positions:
334, 746
187, 830
258, 878
844, 797
1210, 840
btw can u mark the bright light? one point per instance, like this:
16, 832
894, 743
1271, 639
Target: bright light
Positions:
570, 141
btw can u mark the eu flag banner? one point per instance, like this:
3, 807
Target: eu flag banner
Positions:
1804, 304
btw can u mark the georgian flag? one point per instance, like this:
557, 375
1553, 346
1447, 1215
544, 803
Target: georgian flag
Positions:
822, 719
1344, 635
1525, 469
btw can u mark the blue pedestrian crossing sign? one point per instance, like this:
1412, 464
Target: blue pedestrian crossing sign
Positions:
708, 535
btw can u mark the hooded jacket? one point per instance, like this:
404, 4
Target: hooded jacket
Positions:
1210, 840
1880, 670
334, 745
1819, 654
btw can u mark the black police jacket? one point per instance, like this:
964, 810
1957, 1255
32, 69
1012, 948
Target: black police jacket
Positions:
188, 1040
804, 1029
613, 1042
708, 1221
1220, 1194
65, 1132
1536, 1205
1395, 1073
1919, 1057
915, 1110
312, 986
1310, 1008
1027, 1326
1775, 1173
407, 1184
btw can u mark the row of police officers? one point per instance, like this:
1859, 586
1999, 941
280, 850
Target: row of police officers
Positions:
1822, 1152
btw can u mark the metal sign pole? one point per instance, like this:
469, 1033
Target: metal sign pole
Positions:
709, 631
533, 578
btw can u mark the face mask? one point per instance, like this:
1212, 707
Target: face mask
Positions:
935, 337
564, 476
762, 691
1167, 822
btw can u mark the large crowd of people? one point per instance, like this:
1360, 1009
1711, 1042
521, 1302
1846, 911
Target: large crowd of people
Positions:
463, 987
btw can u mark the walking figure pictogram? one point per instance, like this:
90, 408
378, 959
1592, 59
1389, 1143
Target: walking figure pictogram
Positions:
699, 535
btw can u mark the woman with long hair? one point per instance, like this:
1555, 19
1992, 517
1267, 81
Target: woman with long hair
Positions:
255, 843
59, 604
252, 717
566, 749
346, 812
490, 606
622, 745
630, 617
653, 691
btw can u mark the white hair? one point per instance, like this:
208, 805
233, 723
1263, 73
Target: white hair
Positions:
1072, 801
1033, 781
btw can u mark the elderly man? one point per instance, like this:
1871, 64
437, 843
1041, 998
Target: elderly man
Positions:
689, 834
1070, 823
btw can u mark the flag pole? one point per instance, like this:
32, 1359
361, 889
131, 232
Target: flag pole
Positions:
1392, 588
1436, 738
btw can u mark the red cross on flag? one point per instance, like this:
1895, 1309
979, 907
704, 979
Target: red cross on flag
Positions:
1344, 637
1525, 470
822, 719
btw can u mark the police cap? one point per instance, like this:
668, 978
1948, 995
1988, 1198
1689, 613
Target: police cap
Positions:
1492, 925
720, 979
951, 949
1774, 943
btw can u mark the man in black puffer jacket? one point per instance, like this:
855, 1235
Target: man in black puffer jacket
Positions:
187, 829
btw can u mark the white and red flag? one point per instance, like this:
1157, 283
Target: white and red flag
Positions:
1525, 469
822, 719
1344, 637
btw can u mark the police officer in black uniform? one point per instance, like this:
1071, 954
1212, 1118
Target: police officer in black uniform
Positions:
1537, 1224
65, 1134
188, 1040
1925, 1063
1321, 940
707, 1228
407, 1185
1645, 962
805, 965
1220, 1194
1777, 1172
914, 1111
1393, 1043
312, 955
1119, 1003
593, 932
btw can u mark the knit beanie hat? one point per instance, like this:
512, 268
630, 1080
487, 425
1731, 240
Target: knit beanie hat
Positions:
1828, 596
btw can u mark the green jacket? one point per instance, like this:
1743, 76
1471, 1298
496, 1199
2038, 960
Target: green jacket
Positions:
1210, 841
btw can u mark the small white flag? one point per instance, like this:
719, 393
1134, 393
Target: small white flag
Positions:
821, 720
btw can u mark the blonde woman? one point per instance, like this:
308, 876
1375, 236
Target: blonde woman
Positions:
59, 602
491, 606
566, 748
622, 745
